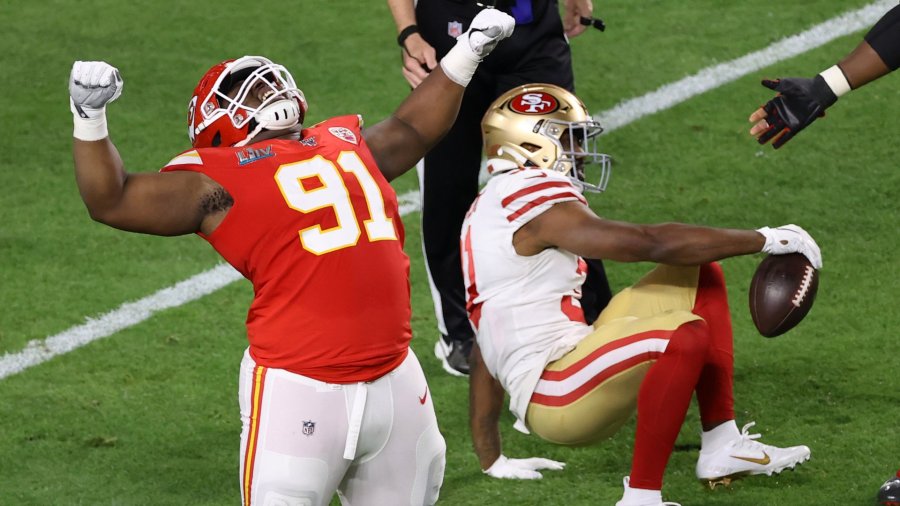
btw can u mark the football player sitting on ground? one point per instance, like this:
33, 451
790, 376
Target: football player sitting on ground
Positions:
331, 396
657, 342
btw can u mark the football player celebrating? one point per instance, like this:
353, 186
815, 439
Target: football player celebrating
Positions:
331, 396
800, 101
656, 343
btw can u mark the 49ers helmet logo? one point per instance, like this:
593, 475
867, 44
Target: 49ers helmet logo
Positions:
534, 102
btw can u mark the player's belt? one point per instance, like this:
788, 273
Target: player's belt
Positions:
356, 416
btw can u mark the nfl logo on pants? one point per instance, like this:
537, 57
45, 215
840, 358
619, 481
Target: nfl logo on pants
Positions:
308, 427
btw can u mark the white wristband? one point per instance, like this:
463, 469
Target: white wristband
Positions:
460, 62
90, 123
836, 80
91, 129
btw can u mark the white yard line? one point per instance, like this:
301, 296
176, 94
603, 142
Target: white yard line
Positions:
131, 313
126, 315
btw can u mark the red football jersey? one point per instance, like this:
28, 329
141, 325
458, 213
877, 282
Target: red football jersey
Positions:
316, 228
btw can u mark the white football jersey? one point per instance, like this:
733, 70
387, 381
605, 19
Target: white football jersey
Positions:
525, 309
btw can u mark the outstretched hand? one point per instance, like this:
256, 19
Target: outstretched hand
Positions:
799, 102
522, 469
791, 239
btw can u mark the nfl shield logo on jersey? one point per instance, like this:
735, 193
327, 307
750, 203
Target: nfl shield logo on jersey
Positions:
309, 427
454, 29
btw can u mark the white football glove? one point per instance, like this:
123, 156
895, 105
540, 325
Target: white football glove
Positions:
92, 85
522, 469
487, 29
791, 239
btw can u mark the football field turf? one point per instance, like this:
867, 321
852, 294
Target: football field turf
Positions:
148, 415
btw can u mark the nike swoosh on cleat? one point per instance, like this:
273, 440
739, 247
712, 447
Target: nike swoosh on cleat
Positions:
763, 461
422, 399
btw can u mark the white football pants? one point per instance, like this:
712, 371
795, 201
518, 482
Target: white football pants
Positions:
373, 443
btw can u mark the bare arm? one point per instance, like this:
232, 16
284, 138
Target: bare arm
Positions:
160, 204
863, 65
573, 227
151, 203
878, 53
398, 142
485, 402
426, 115
403, 12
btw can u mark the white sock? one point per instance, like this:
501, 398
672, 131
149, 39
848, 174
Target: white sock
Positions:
714, 439
641, 495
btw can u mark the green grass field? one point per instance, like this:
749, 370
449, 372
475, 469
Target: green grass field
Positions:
149, 415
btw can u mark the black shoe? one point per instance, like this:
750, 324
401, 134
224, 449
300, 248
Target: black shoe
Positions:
454, 355
889, 493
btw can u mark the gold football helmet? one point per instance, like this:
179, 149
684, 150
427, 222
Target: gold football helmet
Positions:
543, 125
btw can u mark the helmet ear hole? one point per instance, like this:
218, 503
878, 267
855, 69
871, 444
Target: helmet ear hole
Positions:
217, 139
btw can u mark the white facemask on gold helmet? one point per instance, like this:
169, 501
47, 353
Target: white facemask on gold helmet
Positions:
526, 126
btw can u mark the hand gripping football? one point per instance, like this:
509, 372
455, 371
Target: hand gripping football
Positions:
782, 292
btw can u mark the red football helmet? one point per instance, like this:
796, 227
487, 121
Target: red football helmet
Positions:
215, 119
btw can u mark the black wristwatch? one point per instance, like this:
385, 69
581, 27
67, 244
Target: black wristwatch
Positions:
405, 33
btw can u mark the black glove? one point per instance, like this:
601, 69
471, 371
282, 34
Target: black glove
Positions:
799, 102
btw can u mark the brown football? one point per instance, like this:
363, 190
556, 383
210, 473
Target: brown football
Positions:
782, 292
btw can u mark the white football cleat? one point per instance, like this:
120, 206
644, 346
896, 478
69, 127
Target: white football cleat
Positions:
745, 456
627, 499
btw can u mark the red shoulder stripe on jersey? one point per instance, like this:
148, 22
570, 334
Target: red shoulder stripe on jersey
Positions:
538, 201
534, 188
256, 396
